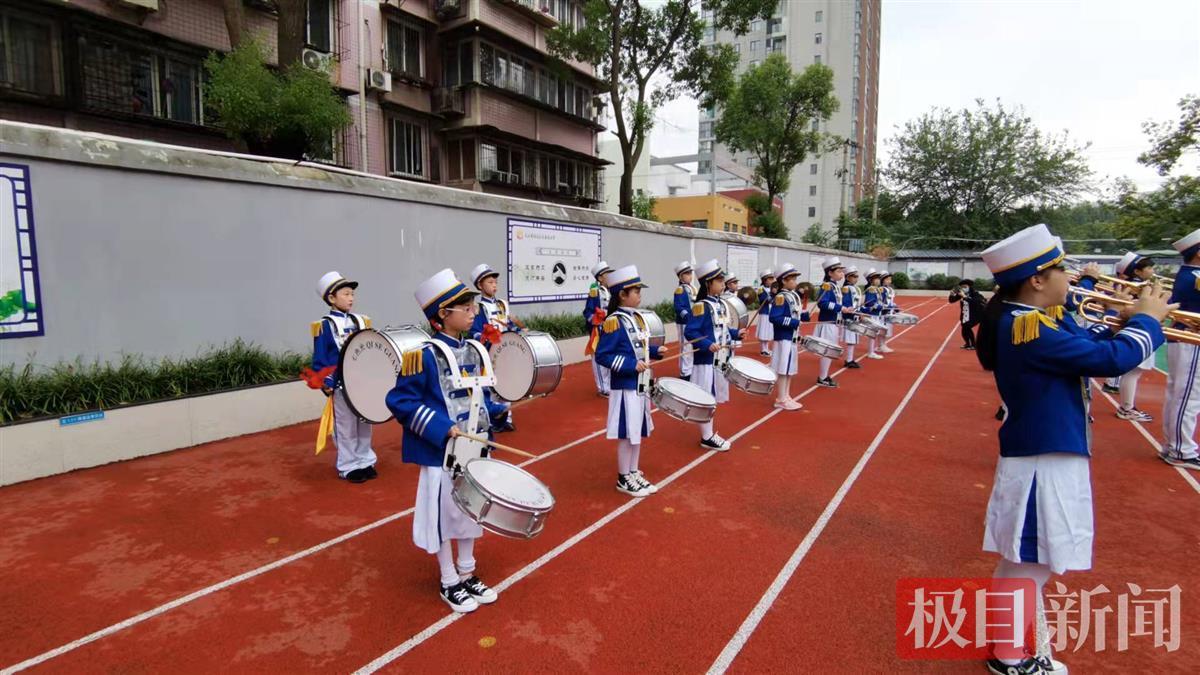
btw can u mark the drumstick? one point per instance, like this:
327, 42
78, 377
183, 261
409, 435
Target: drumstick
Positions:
498, 446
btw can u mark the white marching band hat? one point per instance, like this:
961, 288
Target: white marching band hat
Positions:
709, 270
765, 273
1189, 245
851, 270
625, 277
600, 268
683, 267
830, 263
731, 277
332, 282
481, 272
1023, 255
872, 273
787, 270
440, 290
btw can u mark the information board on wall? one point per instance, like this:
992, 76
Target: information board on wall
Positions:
920, 271
20, 301
742, 262
550, 261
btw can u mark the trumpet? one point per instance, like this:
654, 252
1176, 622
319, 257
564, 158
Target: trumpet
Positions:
1110, 283
1096, 304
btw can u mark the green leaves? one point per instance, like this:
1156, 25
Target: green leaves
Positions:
13, 302
1171, 141
1159, 217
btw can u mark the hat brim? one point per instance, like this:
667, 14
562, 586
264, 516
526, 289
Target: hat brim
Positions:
344, 283
792, 273
493, 273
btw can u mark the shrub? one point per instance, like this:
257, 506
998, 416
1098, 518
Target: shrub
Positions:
900, 280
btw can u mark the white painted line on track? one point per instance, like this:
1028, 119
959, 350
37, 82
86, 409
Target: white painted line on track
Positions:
441, 624
739, 639
1186, 473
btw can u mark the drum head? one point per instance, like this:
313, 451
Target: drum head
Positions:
755, 370
509, 484
370, 364
513, 363
685, 391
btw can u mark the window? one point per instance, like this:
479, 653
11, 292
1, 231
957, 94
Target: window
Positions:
404, 50
754, 46
753, 64
319, 25
122, 78
820, 15
487, 64
751, 162
817, 39
812, 212
29, 55
812, 190
816, 125
774, 26
756, 25
709, 34
705, 166
737, 48
817, 58
706, 146
706, 129
407, 149
812, 169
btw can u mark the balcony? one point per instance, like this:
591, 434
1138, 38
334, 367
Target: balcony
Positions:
538, 10
450, 101
446, 10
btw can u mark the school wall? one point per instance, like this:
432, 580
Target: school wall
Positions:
163, 251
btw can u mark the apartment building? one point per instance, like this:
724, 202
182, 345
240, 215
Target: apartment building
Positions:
456, 92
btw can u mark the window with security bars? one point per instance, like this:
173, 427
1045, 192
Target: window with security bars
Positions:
318, 26
407, 149
404, 49
123, 78
29, 55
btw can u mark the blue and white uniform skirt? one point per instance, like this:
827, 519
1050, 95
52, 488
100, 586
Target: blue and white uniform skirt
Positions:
849, 336
764, 329
1040, 511
783, 357
627, 409
828, 330
435, 516
708, 378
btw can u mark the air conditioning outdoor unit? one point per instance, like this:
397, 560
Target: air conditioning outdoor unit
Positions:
316, 60
379, 80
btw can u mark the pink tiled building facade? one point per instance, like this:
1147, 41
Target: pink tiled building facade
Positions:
456, 92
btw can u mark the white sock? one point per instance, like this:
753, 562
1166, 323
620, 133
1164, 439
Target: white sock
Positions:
764, 346
466, 558
824, 367
637, 455
1040, 574
445, 558
783, 385
1129, 385
624, 456
706, 430
850, 352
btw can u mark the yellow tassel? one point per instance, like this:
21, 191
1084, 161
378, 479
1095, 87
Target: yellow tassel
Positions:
1027, 327
779, 300
366, 322
316, 328
1055, 312
698, 309
326, 427
412, 363
611, 324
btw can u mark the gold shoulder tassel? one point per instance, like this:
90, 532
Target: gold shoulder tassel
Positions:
611, 324
1027, 327
413, 362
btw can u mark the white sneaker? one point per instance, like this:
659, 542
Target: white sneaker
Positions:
1051, 665
1191, 463
886, 350
788, 404
630, 485
481, 592
650, 488
459, 599
1134, 414
874, 356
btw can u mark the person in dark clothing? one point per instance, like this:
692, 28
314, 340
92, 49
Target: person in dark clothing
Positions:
973, 303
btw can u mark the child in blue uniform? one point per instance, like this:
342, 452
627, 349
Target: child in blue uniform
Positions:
787, 312
433, 413
764, 330
709, 332
685, 297
352, 436
889, 307
829, 314
1182, 403
492, 311
1039, 516
874, 299
626, 351
851, 300
593, 316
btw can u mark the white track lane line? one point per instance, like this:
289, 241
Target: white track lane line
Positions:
222, 585
441, 624
739, 639
1186, 473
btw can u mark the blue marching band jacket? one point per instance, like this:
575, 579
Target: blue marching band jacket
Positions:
623, 342
787, 314
874, 300
684, 294
1187, 289
425, 403
493, 311
709, 325
764, 302
598, 297
329, 334
1043, 364
829, 303
851, 296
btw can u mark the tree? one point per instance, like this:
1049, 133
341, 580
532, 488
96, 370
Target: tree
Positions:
818, 236
961, 173
1169, 142
649, 55
1161, 216
770, 114
763, 216
643, 206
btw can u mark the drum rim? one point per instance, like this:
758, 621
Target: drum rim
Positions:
747, 359
659, 383
532, 380
524, 335
466, 475
342, 364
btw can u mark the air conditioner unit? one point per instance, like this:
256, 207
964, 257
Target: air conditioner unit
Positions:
379, 80
316, 60
148, 5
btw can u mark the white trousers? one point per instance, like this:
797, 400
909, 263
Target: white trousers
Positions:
686, 356
1182, 403
352, 437
602, 376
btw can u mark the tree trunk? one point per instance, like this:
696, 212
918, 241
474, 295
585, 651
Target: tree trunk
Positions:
233, 21
626, 194
290, 31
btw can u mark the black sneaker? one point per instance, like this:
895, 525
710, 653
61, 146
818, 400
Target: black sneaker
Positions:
1109, 389
357, 476
630, 485
1029, 666
1193, 463
1000, 413
970, 348
715, 442
827, 382
482, 593
853, 364
504, 427
459, 598
371, 472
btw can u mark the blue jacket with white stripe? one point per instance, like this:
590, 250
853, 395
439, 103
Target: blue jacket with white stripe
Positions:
616, 352
1042, 366
703, 330
784, 309
829, 303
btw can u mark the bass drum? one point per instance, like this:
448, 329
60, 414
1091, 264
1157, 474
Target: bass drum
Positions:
653, 324
370, 364
737, 310
526, 363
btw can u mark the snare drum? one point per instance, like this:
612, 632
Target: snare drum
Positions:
526, 364
902, 319
502, 498
820, 347
752, 377
736, 310
653, 325
683, 400
370, 363
866, 326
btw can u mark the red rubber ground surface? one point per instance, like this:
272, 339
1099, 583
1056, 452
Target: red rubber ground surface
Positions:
662, 586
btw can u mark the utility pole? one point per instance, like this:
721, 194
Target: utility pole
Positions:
845, 160
875, 200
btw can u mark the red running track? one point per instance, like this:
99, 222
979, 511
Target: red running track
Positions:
663, 584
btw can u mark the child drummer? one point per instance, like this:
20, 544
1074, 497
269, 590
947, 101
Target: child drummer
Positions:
709, 334
433, 419
351, 435
492, 319
766, 334
594, 311
626, 351
685, 297
787, 312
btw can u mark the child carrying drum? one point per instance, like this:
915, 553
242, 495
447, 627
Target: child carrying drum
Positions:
710, 335
852, 300
765, 295
492, 319
787, 312
593, 317
874, 299
626, 351
829, 316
